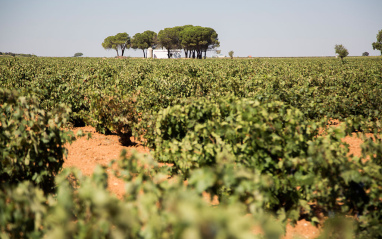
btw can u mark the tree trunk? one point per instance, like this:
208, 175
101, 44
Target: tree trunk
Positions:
168, 53
117, 52
186, 52
193, 54
123, 50
144, 56
199, 54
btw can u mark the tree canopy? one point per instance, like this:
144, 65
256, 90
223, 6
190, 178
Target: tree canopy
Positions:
144, 40
341, 51
121, 41
78, 54
198, 40
231, 54
378, 44
169, 39
194, 40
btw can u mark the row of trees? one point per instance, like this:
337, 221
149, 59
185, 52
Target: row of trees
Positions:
194, 40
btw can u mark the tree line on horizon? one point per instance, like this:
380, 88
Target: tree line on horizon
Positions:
16, 54
194, 40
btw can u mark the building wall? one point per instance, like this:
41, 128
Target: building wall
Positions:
162, 54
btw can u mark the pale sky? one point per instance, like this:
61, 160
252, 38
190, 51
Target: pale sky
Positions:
260, 28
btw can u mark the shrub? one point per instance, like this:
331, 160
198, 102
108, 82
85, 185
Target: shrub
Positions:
152, 208
32, 140
275, 141
22, 211
191, 135
112, 113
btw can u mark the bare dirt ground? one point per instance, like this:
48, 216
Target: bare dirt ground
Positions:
85, 154
101, 149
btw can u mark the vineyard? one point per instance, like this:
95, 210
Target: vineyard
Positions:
257, 134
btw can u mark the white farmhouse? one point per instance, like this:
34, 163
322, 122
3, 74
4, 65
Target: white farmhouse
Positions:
218, 56
162, 53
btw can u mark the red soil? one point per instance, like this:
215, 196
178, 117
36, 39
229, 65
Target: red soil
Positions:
99, 149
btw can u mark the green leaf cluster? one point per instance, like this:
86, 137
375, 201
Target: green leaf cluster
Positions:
378, 44
144, 40
195, 40
341, 51
198, 40
230, 53
243, 130
153, 207
31, 141
78, 54
121, 41
240, 149
317, 87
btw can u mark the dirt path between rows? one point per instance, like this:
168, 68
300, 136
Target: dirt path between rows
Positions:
85, 154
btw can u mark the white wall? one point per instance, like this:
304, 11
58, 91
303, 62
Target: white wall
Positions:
162, 54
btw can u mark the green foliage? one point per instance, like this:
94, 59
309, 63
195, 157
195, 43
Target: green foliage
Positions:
32, 143
16, 54
108, 43
317, 87
22, 211
341, 51
266, 139
365, 53
78, 54
338, 228
231, 54
89, 210
153, 207
144, 41
26, 55
169, 38
378, 44
370, 219
113, 113
181, 213
220, 145
256, 133
330, 90
243, 130
196, 39
121, 41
